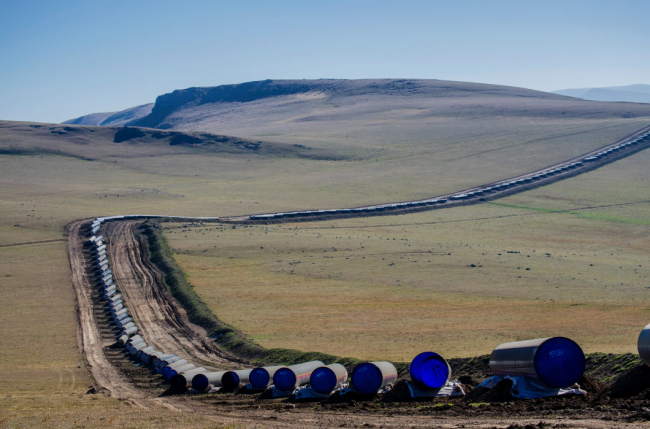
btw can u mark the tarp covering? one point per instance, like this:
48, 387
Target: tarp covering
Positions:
451, 388
559, 362
529, 388
429, 370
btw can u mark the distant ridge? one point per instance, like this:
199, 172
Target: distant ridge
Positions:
637, 93
166, 105
124, 117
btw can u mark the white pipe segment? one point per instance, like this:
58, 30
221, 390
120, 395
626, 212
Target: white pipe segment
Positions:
180, 381
128, 326
118, 313
163, 357
114, 304
207, 380
131, 331
135, 348
122, 340
148, 349
121, 324
135, 339
162, 363
115, 297
177, 364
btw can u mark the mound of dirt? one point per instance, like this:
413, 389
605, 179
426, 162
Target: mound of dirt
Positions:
630, 384
590, 384
468, 379
399, 393
499, 393
477, 394
351, 396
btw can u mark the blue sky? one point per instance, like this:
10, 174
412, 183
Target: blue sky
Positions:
64, 59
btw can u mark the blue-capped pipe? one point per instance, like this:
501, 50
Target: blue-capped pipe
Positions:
327, 378
557, 361
290, 377
262, 377
233, 379
430, 371
370, 377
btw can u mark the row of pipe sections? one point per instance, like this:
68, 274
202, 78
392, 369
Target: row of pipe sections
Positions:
498, 187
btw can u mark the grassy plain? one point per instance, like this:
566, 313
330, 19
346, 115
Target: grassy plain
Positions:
49, 177
389, 287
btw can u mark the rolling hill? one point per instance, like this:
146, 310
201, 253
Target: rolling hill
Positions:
630, 93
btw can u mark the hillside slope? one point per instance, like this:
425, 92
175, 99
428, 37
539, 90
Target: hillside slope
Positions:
123, 117
631, 93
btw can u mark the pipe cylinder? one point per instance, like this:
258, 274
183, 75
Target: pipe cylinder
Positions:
327, 378
122, 323
233, 379
131, 331
148, 349
172, 372
203, 381
164, 362
180, 381
161, 357
116, 306
290, 377
262, 377
557, 361
643, 345
429, 370
118, 313
370, 377
171, 366
135, 348
122, 316
128, 326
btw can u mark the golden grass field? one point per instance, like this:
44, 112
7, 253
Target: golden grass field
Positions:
372, 303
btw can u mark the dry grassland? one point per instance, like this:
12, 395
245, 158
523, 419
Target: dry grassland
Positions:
389, 287
40, 193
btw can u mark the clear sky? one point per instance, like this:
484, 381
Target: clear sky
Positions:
63, 59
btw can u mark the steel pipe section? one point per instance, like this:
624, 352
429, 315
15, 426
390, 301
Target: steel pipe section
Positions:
171, 367
557, 361
130, 331
430, 371
290, 377
370, 377
233, 379
178, 370
180, 381
327, 378
643, 345
204, 381
262, 377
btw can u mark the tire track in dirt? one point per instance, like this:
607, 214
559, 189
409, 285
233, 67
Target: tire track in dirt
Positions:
160, 319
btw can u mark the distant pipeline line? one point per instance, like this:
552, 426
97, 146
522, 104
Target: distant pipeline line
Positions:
587, 162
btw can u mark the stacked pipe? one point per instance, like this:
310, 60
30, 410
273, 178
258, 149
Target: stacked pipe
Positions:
179, 371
